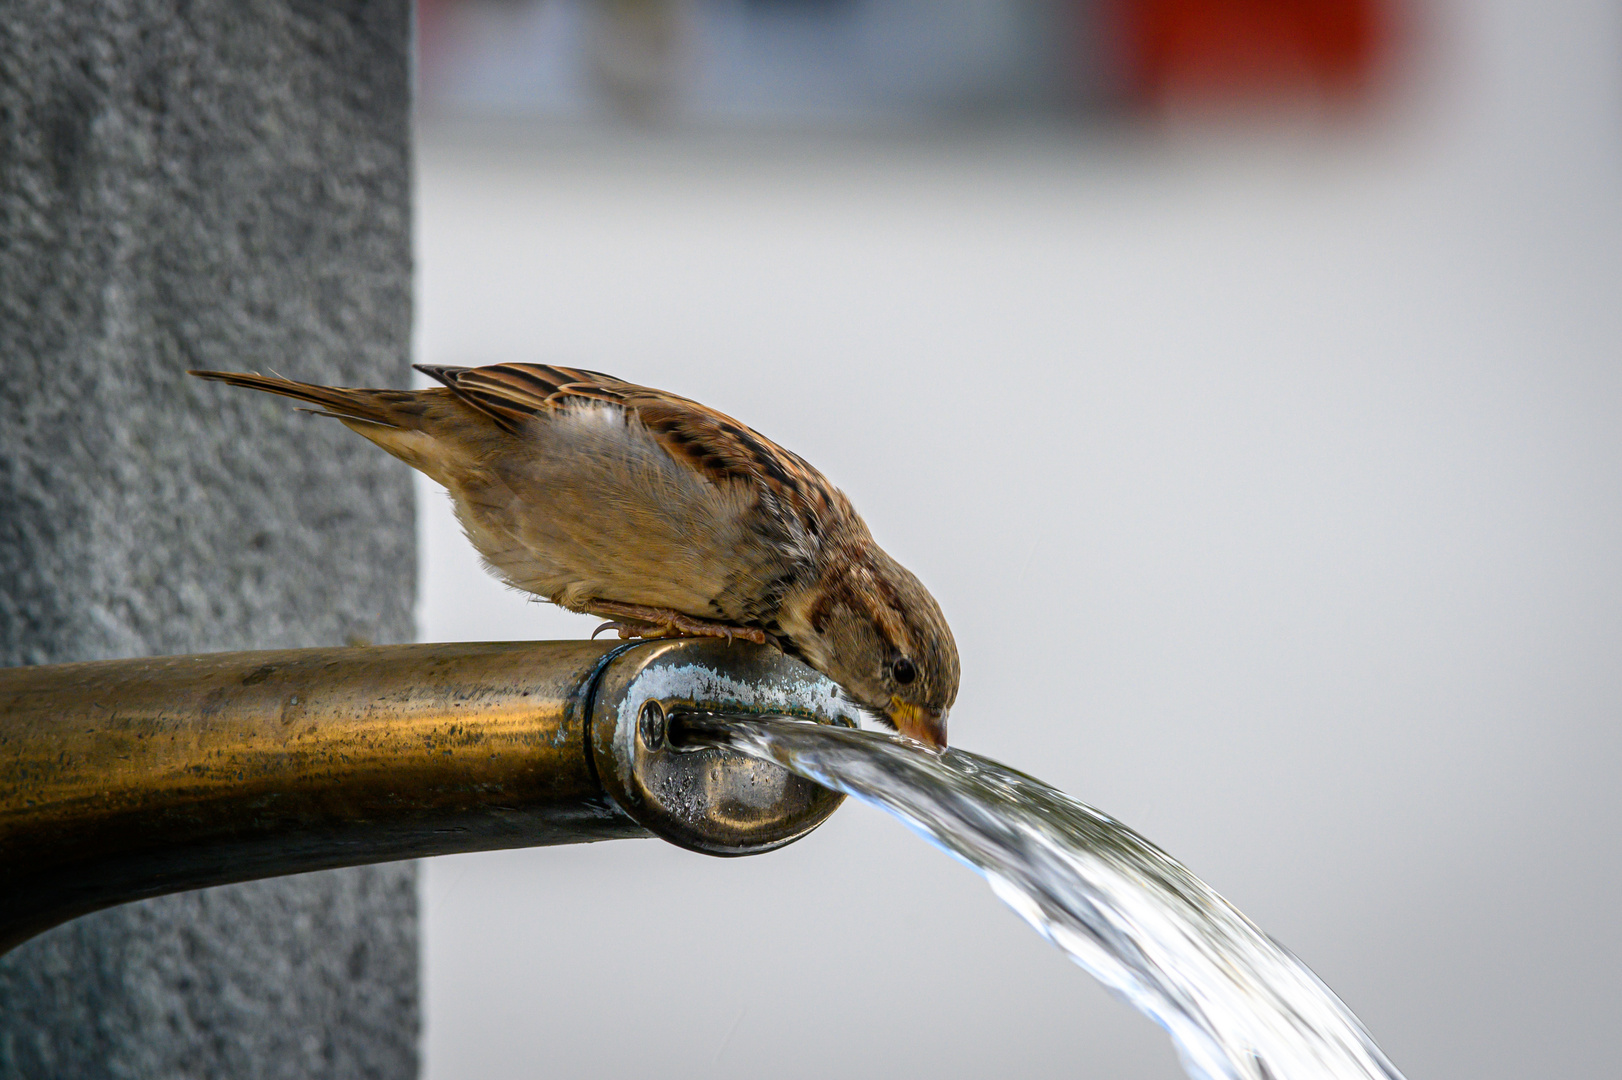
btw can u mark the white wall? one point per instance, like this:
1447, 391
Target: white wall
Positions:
1273, 486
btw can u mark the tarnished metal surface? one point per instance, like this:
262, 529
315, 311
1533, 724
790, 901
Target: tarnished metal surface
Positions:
132, 778
709, 799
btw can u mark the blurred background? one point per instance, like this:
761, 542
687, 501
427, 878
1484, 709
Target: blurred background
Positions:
1241, 376
855, 64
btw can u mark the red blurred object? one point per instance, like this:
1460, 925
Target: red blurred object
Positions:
1195, 52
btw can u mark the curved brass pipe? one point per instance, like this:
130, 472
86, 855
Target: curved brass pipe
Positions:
131, 778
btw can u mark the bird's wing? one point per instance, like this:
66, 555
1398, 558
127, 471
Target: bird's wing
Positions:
706, 441
510, 394
714, 444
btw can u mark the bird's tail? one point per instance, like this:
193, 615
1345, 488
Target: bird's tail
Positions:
389, 408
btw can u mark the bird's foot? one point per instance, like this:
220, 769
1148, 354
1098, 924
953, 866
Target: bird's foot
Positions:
637, 621
631, 630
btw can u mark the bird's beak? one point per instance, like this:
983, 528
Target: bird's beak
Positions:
917, 722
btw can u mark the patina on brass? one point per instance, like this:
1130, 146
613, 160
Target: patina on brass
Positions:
131, 778
709, 799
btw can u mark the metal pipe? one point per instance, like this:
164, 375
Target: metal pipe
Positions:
125, 779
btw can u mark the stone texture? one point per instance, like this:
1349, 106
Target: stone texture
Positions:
221, 185
309, 976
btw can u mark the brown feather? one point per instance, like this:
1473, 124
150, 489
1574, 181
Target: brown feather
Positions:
391, 408
708, 441
510, 394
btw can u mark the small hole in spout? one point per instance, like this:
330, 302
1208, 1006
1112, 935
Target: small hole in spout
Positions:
651, 725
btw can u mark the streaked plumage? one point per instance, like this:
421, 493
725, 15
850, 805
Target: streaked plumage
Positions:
665, 516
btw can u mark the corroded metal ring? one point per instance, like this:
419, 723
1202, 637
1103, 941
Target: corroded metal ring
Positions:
709, 799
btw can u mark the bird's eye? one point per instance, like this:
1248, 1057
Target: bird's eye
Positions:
903, 671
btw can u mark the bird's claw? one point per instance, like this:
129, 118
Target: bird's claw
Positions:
660, 623
625, 630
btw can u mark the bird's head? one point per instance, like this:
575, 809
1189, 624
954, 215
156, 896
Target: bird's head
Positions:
874, 629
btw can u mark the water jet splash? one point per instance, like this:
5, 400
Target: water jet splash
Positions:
1238, 1005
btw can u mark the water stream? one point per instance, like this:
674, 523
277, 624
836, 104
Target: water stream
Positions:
1237, 1004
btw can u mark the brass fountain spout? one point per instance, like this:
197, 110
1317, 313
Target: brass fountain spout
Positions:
125, 779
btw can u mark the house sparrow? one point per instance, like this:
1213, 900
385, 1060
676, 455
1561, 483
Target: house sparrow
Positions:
664, 516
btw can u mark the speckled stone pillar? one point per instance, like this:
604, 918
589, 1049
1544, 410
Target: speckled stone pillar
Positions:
225, 185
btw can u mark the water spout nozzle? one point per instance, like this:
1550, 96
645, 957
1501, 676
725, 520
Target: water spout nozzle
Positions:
124, 779
697, 794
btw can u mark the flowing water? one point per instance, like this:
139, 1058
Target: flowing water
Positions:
1237, 1004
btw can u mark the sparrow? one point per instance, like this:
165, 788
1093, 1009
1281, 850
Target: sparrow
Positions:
664, 516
